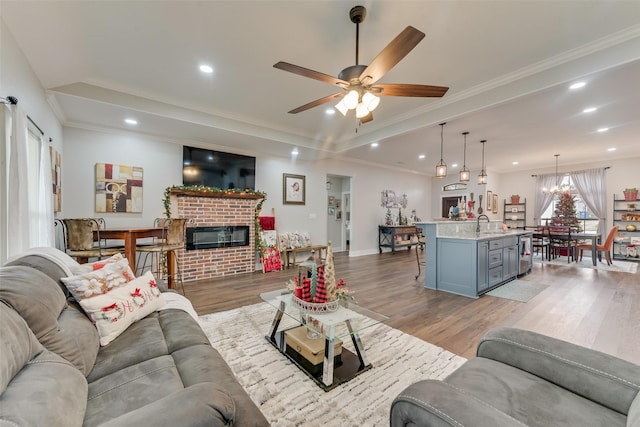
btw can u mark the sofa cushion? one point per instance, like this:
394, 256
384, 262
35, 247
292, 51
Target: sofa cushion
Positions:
45, 265
113, 312
17, 344
39, 300
204, 405
43, 388
530, 399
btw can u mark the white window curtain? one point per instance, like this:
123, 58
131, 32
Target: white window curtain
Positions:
543, 196
28, 216
591, 185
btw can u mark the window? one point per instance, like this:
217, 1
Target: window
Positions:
588, 221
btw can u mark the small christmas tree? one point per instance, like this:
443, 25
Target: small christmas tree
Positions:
565, 213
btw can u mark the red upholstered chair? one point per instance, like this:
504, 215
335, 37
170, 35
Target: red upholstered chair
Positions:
605, 247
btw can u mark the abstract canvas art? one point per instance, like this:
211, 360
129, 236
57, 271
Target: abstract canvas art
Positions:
118, 188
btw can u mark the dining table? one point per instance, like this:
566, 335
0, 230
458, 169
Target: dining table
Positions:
130, 235
592, 237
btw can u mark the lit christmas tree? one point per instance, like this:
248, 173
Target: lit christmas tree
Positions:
565, 212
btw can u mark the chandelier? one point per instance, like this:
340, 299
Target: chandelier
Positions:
556, 188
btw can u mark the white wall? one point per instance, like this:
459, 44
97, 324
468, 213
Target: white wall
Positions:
162, 164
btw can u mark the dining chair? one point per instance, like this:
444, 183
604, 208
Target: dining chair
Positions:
82, 239
562, 243
172, 239
605, 247
540, 241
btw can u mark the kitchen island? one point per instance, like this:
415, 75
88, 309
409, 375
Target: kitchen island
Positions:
467, 262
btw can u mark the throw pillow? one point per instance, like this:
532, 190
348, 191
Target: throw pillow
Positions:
105, 279
113, 312
284, 241
92, 266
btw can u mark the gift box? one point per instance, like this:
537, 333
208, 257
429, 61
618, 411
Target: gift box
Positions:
310, 352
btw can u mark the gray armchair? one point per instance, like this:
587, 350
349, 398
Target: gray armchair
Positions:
524, 378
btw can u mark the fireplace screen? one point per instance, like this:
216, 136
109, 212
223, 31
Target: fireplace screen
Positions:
217, 237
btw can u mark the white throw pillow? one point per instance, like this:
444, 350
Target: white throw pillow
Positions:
92, 266
113, 312
106, 278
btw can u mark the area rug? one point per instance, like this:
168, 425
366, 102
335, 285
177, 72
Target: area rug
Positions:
518, 290
617, 265
287, 397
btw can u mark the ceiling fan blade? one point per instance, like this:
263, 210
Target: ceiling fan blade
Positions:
316, 103
305, 72
391, 55
366, 118
399, 89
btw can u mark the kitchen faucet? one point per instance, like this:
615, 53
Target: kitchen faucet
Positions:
478, 222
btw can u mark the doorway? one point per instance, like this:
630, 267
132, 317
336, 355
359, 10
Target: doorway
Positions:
339, 212
447, 203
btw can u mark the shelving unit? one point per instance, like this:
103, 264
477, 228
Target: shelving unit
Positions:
626, 213
396, 236
515, 214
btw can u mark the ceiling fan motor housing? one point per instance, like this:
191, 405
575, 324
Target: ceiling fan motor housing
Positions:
352, 73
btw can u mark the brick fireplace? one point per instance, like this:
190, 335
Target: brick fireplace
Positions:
207, 210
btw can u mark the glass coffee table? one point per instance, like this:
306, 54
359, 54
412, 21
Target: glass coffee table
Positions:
303, 330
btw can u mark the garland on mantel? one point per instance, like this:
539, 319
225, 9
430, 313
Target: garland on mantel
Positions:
205, 189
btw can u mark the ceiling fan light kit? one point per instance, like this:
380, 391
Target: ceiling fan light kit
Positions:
465, 173
441, 167
358, 82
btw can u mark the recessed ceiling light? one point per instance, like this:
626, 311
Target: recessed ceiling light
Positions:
421, 156
455, 165
330, 111
515, 163
589, 110
611, 149
206, 68
294, 152
578, 85
374, 144
131, 121
603, 129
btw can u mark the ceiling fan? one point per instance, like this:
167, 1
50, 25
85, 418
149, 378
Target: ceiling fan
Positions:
359, 90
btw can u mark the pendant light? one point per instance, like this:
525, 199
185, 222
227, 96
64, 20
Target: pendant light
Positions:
465, 173
482, 178
441, 167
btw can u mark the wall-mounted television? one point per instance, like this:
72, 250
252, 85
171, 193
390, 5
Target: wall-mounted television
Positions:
217, 169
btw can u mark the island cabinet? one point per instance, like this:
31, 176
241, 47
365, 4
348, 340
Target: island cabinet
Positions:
471, 267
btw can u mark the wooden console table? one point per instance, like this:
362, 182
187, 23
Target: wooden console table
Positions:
396, 236
289, 252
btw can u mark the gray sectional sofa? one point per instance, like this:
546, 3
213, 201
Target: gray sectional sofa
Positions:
520, 378
161, 371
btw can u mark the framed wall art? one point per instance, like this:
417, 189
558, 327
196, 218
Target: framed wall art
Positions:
293, 189
495, 203
56, 178
489, 201
118, 188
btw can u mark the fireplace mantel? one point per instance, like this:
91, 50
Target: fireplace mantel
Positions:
210, 208
215, 194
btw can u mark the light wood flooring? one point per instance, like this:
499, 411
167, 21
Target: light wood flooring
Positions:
594, 308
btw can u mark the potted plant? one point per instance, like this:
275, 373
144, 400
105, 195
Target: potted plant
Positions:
515, 199
630, 194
